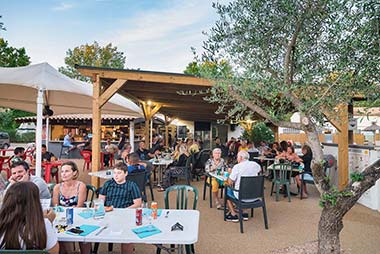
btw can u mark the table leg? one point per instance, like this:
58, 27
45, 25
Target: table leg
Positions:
47, 173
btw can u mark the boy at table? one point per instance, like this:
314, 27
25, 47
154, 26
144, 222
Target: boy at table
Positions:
121, 193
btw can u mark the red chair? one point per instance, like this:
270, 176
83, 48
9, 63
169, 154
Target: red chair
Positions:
87, 158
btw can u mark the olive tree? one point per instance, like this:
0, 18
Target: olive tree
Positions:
306, 56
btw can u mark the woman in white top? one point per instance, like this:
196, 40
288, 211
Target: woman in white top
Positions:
22, 223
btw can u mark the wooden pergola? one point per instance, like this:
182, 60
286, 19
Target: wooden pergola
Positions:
159, 92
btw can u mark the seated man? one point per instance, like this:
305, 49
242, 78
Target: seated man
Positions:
120, 193
19, 154
243, 168
111, 149
134, 164
20, 173
46, 155
143, 153
67, 141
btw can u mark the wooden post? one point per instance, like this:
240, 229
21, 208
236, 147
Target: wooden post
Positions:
149, 111
350, 112
96, 126
343, 147
275, 131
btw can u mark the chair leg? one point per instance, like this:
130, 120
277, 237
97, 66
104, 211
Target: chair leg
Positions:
225, 206
204, 188
96, 247
288, 191
241, 220
210, 192
110, 247
252, 212
151, 190
265, 217
301, 195
277, 192
189, 249
271, 191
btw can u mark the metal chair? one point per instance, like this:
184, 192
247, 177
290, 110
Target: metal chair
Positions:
251, 188
182, 201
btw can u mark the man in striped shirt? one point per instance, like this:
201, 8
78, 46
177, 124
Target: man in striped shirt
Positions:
120, 193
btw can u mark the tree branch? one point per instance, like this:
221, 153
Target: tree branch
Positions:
371, 175
261, 111
291, 47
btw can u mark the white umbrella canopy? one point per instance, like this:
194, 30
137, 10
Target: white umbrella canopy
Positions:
19, 87
29, 88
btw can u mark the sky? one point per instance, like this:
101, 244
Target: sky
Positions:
155, 35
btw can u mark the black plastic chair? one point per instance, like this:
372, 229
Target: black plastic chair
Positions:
140, 179
91, 192
149, 169
185, 171
251, 187
198, 163
182, 201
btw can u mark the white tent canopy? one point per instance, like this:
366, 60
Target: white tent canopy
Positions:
64, 95
31, 87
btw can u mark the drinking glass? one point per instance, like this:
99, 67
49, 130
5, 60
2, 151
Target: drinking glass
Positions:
99, 212
87, 203
147, 218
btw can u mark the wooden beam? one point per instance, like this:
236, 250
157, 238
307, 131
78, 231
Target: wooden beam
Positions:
343, 147
149, 111
110, 91
332, 119
156, 77
96, 126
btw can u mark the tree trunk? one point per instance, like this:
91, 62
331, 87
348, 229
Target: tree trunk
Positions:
330, 225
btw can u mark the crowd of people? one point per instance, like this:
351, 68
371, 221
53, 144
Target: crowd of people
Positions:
34, 229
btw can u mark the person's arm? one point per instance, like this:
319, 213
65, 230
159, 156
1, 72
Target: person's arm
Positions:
103, 197
136, 203
50, 215
56, 195
54, 250
82, 194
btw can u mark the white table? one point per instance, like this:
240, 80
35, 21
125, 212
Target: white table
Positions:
120, 223
102, 174
161, 163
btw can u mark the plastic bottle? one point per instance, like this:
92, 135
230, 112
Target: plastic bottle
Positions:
154, 208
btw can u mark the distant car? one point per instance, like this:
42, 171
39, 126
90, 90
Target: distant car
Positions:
4, 140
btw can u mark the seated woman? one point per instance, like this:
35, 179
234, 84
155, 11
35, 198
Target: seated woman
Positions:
281, 156
213, 164
21, 210
176, 168
70, 193
306, 158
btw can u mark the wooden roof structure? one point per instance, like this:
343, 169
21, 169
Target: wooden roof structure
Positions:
160, 88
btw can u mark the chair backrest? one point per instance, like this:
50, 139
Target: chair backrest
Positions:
182, 196
251, 187
91, 192
281, 172
139, 178
86, 155
252, 155
51, 188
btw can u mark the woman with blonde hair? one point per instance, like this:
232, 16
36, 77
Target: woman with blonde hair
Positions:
70, 193
22, 223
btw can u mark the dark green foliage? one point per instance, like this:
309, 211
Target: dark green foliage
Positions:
12, 57
330, 198
259, 132
357, 176
92, 55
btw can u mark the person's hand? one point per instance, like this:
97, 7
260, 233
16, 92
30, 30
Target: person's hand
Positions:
24, 178
50, 215
53, 158
229, 170
12, 180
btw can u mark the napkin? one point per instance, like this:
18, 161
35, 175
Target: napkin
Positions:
87, 229
147, 211
86, 214
146, 231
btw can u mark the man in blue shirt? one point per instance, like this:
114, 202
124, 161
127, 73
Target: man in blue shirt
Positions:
121, 193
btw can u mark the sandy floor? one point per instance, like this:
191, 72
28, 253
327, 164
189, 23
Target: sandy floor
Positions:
291, 223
